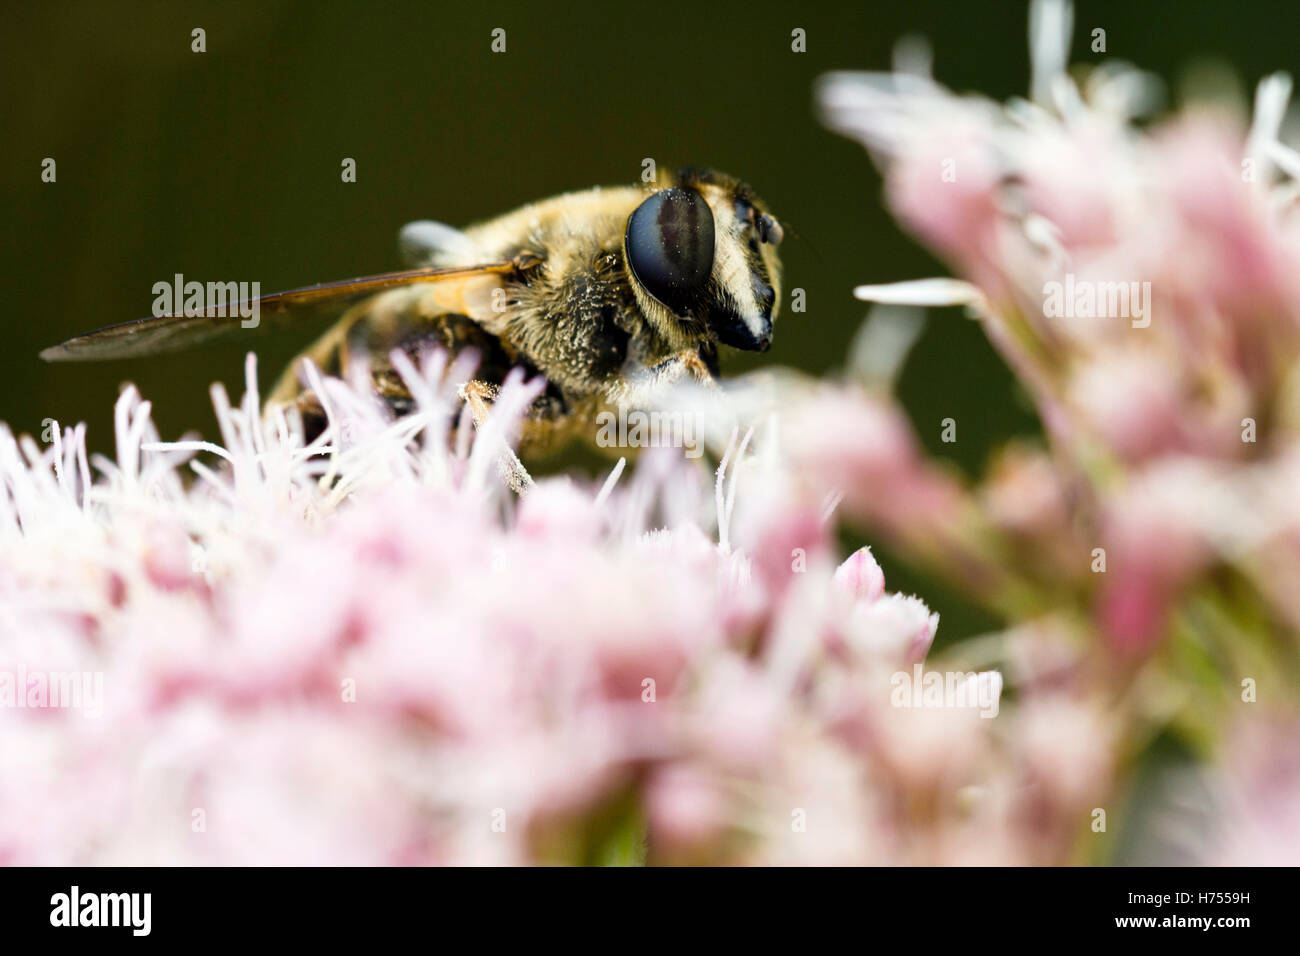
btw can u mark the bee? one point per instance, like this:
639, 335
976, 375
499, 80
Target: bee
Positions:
610, 294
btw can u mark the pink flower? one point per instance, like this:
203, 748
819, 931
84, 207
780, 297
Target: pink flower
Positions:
860, 577
454, 676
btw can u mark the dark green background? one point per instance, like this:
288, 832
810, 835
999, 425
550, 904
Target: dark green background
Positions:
226, 165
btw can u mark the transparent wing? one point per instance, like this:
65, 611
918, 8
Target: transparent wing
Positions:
298, 306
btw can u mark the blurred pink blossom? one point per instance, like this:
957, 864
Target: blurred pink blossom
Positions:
303, 664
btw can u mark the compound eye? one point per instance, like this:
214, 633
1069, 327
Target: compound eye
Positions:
669, 242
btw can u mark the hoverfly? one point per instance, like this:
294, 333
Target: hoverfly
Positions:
610, 294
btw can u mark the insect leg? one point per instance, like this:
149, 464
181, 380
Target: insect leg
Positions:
640, 387
479, 396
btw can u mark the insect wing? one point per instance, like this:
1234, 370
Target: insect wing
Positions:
296, 307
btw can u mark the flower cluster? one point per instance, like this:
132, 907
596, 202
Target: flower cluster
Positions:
1142, 281
366, 650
